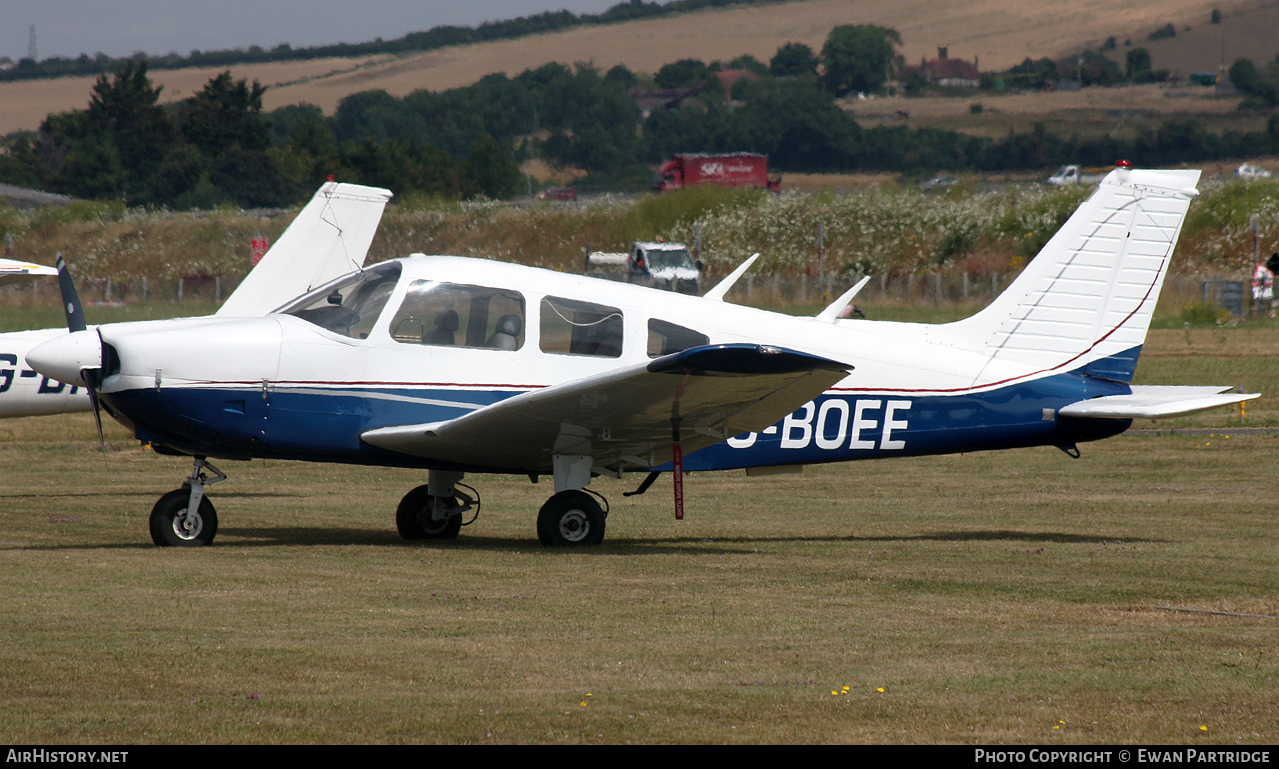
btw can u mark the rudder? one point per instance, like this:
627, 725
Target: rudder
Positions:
1087, 298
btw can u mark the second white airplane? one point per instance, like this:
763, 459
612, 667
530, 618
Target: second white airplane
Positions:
329, 237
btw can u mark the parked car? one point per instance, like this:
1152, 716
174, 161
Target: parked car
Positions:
1068, 175
657, 264
558, 193
939, 182
1249, 171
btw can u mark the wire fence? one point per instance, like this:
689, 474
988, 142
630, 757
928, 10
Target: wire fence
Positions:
911, 289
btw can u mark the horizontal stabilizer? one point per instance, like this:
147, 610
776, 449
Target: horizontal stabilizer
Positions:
1156, 402
624, 417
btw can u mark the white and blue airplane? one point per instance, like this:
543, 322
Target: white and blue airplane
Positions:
329, 237
459, 365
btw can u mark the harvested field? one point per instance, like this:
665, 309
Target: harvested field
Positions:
996, 33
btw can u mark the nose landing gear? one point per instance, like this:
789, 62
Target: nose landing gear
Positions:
185, 517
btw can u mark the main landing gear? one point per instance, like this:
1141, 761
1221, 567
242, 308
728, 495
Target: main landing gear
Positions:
434, 511
573, 517
185, 517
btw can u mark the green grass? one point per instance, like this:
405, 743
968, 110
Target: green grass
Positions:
1015, 597
994, 598
19, 318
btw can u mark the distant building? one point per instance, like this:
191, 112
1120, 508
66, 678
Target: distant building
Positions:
25, 199
1224, 86
945, 71
729, 78
649, 101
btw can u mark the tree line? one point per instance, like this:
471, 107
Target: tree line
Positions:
437, 37
220, 147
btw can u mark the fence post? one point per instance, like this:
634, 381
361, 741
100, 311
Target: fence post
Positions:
821, 263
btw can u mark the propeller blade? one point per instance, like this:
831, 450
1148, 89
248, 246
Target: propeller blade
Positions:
70, 298
94, 381
92, 377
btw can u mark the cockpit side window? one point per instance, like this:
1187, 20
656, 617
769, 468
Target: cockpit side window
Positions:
573, 327
459, 315
349, 306
665, 338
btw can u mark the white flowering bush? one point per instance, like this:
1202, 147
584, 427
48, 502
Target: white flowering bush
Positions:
885, 230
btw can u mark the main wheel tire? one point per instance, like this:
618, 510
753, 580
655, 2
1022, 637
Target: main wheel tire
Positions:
571, 519
413, 517
169, 530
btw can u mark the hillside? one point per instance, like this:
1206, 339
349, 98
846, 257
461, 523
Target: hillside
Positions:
996, 33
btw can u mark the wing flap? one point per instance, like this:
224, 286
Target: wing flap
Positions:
624, 417
1156, 402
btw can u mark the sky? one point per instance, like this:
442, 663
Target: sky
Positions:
122, 27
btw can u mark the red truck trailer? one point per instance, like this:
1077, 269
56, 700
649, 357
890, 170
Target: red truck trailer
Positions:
738, 169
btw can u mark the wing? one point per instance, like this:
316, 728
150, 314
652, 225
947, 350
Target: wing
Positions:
1156, 402
624, 417
11, 270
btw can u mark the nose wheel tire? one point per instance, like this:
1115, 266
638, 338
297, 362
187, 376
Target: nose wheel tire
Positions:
415, 520
571, 519
172, 527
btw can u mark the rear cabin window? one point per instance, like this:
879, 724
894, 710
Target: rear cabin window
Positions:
665, 338
459, 315
573, 327
351, 305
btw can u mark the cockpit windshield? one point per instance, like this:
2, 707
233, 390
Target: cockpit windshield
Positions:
349, 306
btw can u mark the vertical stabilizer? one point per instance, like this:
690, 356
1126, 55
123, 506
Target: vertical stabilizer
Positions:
329, 238
1086, 299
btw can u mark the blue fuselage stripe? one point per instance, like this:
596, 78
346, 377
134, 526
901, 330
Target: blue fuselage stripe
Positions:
324, 423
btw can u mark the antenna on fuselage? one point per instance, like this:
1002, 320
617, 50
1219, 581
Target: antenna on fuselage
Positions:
717, 293
831, 313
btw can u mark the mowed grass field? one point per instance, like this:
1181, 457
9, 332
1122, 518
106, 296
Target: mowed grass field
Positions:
1130, 596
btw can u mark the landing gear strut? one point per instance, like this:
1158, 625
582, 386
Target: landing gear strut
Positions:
185, 517
434, 511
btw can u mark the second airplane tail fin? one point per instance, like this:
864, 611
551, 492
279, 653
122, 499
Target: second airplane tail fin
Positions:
329, 238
